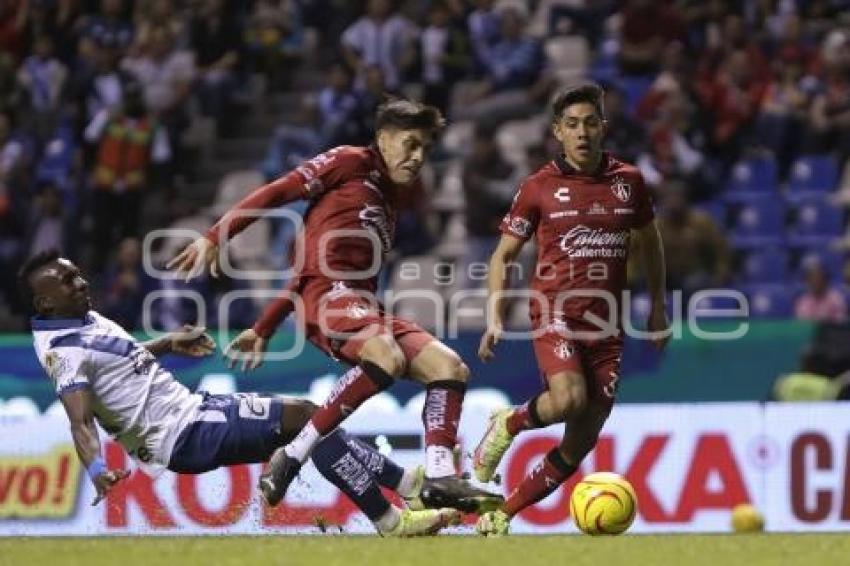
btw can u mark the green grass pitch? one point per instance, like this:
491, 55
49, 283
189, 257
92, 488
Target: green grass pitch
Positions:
634, 550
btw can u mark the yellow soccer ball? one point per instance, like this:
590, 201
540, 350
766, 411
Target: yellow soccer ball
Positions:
603, 503
747, 519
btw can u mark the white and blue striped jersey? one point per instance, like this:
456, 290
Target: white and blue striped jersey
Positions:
135, 400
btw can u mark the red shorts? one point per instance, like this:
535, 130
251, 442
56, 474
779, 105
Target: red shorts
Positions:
598, 360
339, 319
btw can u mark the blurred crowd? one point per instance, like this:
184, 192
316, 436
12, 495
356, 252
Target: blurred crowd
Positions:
736, 112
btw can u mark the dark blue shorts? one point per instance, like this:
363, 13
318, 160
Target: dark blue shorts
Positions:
242, 428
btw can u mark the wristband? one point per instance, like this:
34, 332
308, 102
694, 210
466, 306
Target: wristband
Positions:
97, 467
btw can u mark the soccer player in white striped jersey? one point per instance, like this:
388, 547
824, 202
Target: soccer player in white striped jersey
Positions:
101, 373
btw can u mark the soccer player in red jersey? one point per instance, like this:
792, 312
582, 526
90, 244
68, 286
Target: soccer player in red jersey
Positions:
583, 207
348, 228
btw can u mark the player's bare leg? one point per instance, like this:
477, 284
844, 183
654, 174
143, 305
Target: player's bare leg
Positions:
381, 360
565, 398
559, 464
445, 375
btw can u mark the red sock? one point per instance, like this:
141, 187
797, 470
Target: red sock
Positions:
353, 388
543, 480
523, 418
441, 413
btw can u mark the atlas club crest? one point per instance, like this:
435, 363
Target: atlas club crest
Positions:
621, 189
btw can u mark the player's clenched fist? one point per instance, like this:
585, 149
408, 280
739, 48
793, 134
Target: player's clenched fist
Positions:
488, 342
248, 347
195, 257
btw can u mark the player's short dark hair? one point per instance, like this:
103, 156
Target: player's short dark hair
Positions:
30, 266
589, 93
403, 114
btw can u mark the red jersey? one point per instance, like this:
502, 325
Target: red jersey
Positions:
582, 225
351, 218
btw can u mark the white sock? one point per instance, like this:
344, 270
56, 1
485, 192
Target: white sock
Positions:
408, 487
439, 462
303, 444
389, 520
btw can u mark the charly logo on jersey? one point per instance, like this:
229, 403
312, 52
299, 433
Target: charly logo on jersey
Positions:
583, 241
374, 218
563, 194
55, 365
621, 189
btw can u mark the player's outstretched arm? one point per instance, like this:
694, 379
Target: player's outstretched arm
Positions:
497, 280
78, 406
204, 251
652, 254
192, 341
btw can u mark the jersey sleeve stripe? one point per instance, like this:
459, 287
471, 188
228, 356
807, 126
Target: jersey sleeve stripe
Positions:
73, 387
107, 344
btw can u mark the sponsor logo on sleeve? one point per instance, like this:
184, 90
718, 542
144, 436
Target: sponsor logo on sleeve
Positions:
520, 226
55, 365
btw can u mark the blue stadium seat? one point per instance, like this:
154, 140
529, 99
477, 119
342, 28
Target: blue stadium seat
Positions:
812, 174
830, 260
634, 88
770, 301
724, 302
816, 222
751, 178
765, 266
758, 222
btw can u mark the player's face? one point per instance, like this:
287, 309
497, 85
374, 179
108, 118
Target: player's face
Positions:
61, 290
404, 153
580, 131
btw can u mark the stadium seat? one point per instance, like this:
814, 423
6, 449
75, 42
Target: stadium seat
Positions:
450, 195
457, 138
751, 178
604, 68
830, 260
765, 266
758, 222
718, 302
634, 88
568, 56
770, 301
812, 174
232, 188
453, 242
817, 222
517, 135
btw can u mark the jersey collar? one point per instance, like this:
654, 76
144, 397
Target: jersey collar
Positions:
567, 169
39, 323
